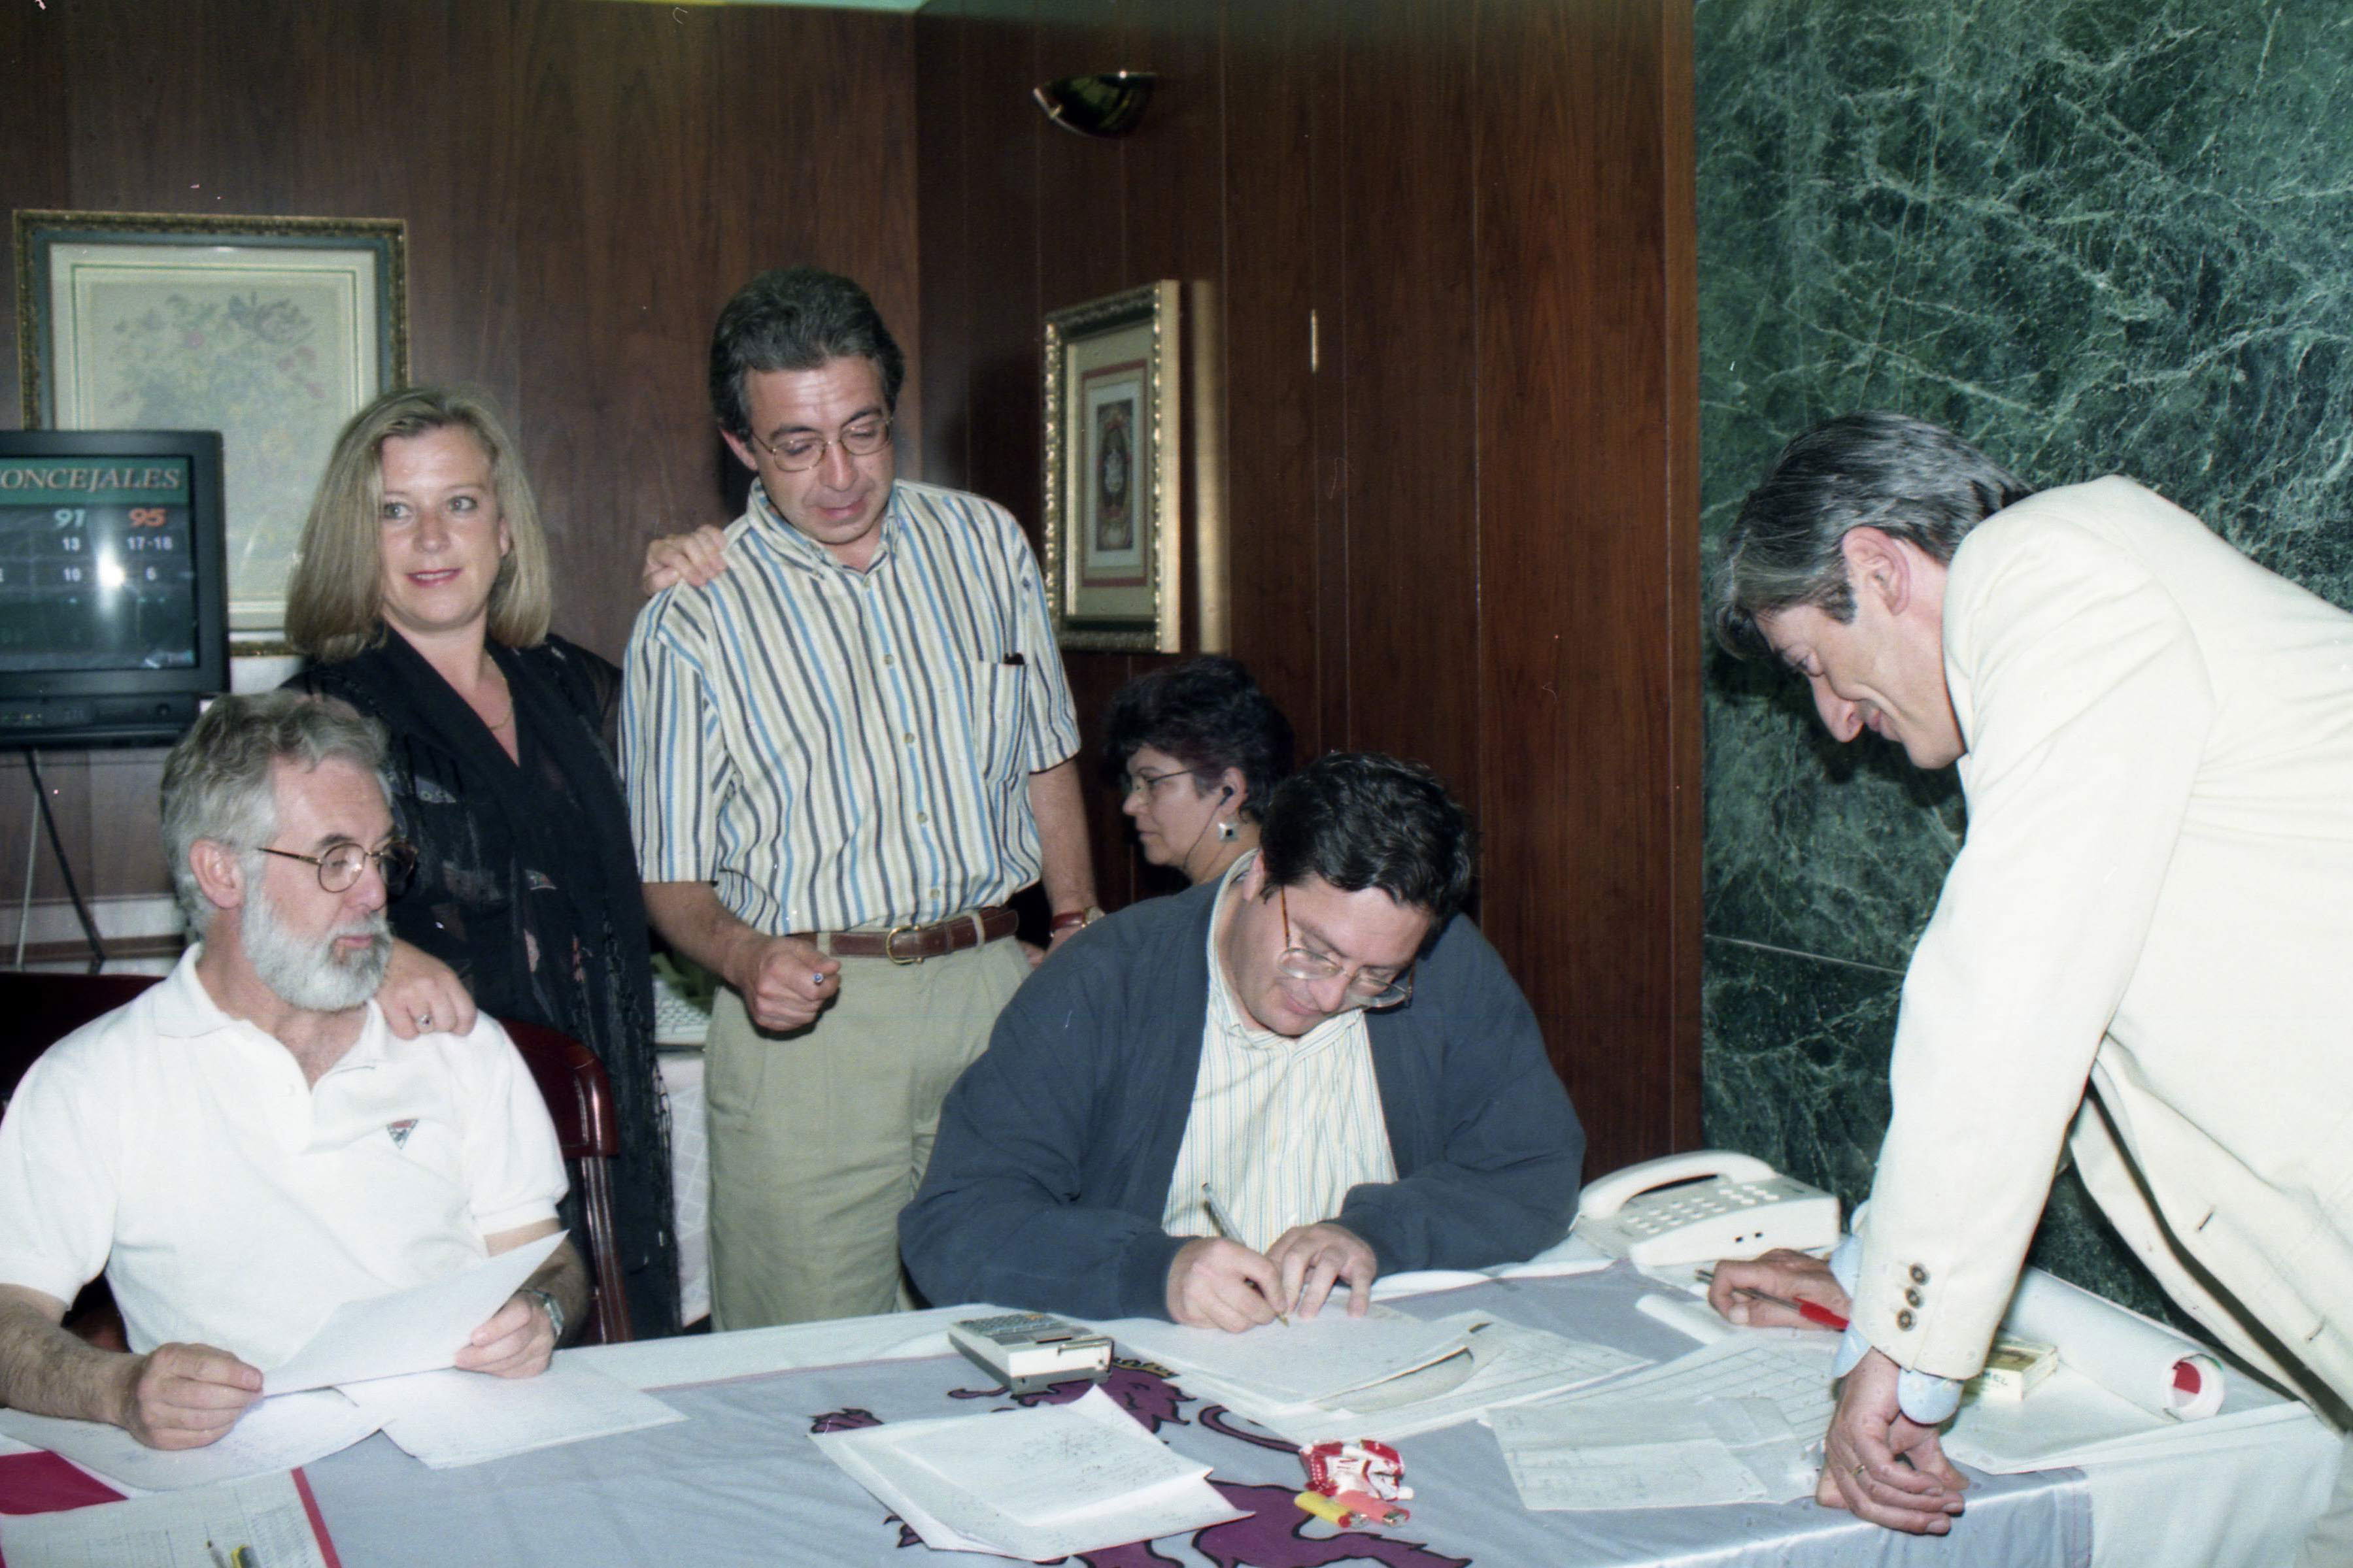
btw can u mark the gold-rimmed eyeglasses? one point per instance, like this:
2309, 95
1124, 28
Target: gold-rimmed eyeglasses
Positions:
1363, 990
341, 867
804, 450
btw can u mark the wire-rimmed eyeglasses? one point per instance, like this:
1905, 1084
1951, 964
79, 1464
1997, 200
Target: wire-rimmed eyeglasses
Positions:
1362, 990
1147, 782
804, 449
341, 867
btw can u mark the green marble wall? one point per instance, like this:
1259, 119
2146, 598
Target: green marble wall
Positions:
2093, 235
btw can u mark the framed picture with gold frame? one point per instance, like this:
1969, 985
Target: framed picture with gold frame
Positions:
272, 331
1113, 457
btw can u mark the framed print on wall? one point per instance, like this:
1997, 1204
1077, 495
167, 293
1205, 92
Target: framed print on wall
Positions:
1112, 458
272, 331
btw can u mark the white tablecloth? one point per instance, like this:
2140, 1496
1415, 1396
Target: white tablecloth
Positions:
738, 1482
690, 1176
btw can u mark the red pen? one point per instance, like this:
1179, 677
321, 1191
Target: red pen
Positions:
1812, 1311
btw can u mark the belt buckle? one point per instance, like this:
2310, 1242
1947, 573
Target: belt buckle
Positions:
890, 948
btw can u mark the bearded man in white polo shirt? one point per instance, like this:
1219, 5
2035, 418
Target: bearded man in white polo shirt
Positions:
246, 1146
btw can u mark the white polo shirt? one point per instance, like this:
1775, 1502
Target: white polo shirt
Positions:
231, 1204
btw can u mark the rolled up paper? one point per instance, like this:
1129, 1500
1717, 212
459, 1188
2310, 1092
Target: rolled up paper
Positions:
2146, 1363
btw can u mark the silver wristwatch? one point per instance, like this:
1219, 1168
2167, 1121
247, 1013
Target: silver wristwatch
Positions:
554, 1309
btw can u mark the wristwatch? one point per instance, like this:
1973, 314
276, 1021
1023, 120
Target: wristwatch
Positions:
554, 1309
1069, 919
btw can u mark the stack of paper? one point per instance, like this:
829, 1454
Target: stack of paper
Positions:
1639, 1455
176, 1529
1041, 1483
1730, 1422
1303, 1360
1501, 1363
452, 1418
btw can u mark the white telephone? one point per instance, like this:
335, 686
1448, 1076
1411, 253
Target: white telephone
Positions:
1700, 1206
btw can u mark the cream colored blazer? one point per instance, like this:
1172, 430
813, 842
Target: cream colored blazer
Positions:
2155, 899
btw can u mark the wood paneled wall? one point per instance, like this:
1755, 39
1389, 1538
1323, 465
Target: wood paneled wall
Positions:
585, 185
1468, 534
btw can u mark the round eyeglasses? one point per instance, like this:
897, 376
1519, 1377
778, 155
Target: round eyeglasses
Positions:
341, 867
1362, 990
805, 449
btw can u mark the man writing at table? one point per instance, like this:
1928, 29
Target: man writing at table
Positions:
245, 1146
2154, 901
1317, 1039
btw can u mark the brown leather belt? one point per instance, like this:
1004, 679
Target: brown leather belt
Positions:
912, 945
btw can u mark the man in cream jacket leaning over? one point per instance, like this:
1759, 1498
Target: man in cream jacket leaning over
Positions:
2153, 902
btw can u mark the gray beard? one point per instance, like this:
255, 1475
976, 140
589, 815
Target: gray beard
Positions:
307, 973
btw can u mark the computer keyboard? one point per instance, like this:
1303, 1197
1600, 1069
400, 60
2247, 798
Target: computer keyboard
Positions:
678, 1019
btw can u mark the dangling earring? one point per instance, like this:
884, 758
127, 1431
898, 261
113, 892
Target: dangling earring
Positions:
1226, 831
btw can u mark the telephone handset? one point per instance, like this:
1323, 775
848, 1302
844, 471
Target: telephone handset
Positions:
1700, 1206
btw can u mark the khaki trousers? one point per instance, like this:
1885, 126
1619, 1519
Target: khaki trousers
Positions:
820, 1137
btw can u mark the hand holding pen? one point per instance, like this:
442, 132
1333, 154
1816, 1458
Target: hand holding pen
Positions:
1222, 1281
1221, 1216
1781, 1287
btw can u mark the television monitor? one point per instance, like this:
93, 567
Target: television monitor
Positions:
113, 602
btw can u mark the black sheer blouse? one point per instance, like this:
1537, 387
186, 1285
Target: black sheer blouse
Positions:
527, 886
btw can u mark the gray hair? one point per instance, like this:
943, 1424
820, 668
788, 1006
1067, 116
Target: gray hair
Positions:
217, 781
797, 318
1914, 481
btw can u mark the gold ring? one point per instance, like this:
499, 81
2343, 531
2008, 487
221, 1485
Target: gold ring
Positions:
1858, 1470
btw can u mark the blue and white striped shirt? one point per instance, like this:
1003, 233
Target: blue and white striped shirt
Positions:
840, 750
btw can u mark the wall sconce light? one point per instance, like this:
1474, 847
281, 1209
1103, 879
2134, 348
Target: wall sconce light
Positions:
1106, 104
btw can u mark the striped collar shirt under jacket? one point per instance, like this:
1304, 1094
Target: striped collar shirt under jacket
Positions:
840, 750
1281, 1128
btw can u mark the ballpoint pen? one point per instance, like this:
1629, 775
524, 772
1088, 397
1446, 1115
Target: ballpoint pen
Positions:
1231, 1232
1812, 1311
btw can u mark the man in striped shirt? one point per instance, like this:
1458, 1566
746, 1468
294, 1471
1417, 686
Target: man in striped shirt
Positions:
845, 753
1217, 1105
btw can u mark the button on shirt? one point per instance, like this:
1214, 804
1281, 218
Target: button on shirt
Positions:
232, 1205
1282, 1127
838, 750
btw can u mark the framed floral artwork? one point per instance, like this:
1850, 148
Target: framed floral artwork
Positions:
1113, 449
272, 331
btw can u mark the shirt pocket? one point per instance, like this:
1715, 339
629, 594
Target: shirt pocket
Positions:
1000, 712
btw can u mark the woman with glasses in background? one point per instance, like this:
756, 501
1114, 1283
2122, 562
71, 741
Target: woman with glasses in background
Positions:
1195, 750
422, 599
